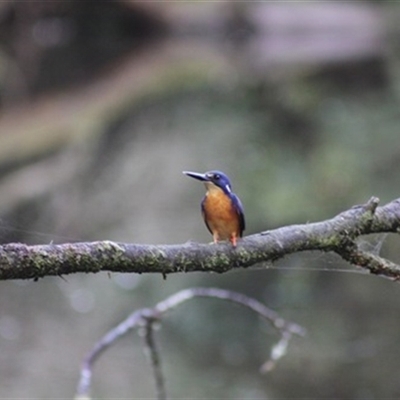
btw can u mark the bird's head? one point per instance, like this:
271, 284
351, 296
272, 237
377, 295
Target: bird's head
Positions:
212, 180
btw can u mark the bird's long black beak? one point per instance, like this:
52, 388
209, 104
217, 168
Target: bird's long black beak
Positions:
196, 175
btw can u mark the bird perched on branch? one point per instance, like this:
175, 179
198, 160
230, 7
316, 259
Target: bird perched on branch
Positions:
221, 208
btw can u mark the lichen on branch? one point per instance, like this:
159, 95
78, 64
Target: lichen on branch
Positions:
339, 235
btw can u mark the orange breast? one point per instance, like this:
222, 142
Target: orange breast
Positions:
220, 216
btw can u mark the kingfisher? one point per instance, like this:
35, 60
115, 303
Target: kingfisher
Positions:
222, 210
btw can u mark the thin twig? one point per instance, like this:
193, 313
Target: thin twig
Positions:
154, 357
239, 298
148, 316
107, 340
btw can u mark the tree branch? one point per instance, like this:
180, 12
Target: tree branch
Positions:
147, 317
339, 234
154, 358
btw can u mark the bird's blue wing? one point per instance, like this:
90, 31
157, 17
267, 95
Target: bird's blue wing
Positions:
237, 204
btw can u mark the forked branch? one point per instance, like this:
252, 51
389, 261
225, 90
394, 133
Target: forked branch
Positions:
146, 318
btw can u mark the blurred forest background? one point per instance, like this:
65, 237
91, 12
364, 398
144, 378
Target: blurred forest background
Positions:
103, 104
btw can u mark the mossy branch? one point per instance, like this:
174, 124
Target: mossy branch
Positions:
339, 235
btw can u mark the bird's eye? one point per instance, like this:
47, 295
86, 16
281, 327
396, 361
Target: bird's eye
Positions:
217, 177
